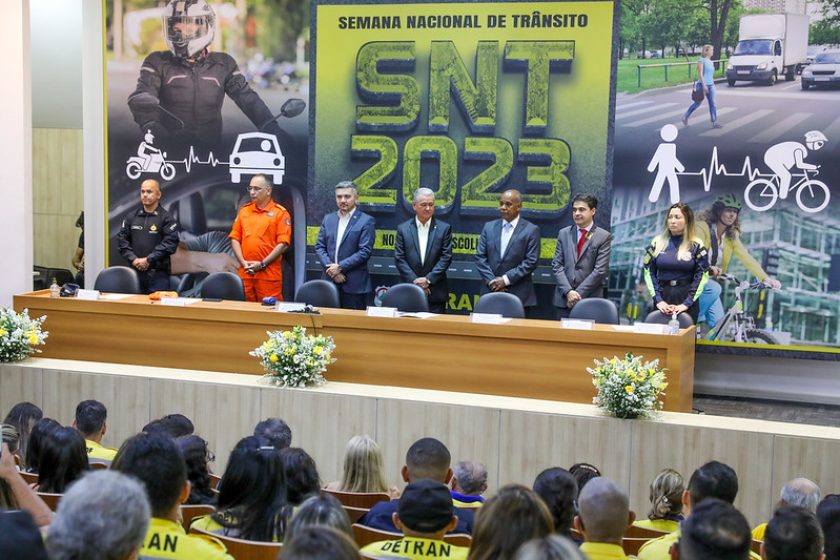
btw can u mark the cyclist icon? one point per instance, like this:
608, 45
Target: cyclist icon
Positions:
811, 195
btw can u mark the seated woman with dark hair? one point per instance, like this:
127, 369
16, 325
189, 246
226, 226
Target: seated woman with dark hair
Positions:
252, 495
40, 431
558, 489
319, 511
197, 456
63, 459
302, 478
23, 417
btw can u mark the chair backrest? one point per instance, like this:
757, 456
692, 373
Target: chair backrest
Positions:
99, 465
503, 303
118, 279
30, 478
600, 310
755, 546
631, 546
636, 532
191, 511
223, 285
214, 481
320, 293
358, 499
355, 513
364, 535
657, 316
241, 549
458, 539
51, 499
406, 297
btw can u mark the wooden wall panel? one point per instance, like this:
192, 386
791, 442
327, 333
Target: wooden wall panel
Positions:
813, 458
18, 385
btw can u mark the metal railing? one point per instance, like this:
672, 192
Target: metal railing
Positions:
721, 67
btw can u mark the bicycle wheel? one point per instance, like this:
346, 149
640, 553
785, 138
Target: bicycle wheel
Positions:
759, 337
765, 196
816, 196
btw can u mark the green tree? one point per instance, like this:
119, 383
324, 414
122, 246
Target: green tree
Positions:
664, 23
831, 14
824, 33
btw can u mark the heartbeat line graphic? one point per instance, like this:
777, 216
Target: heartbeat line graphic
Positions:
716, 168
212, 160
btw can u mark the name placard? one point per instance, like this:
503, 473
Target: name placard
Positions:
580, 324
173, 302
374, 311
488, 318
650, 328
87, 294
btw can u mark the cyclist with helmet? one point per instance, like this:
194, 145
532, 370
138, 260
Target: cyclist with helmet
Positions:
783, 157
191, 82
719, 228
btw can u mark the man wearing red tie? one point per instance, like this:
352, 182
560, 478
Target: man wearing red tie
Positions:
582, 257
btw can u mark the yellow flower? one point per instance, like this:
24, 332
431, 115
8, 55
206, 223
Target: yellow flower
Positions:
642, 376
317, 350
3, 332
628, 388
33, 339
287, 334
274, 358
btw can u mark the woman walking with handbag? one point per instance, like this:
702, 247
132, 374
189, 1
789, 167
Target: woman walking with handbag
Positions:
705, 85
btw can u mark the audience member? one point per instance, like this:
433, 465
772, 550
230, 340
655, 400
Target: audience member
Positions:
666, 492
424, 515
828, 514
11, 437
558, 489
426, 458
302, 479
252, 501
799, 492
715, 530
552, 547
23, 417
63, 460
793, 534
320, 511
157, 427
604, 517
15, 493
103, 517
468, 483
275, 431
320, 543
197, 456
40, 431
90, 420
20, 538
712, 480
157, 462
506, 521
363, 470
583, 473
178, 424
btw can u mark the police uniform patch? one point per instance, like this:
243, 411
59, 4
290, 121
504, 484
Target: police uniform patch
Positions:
271, 214
153, 228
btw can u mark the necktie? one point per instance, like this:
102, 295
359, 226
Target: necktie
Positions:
506, 230
581, 241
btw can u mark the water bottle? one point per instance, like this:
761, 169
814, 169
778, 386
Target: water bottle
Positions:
673, 325
55, 289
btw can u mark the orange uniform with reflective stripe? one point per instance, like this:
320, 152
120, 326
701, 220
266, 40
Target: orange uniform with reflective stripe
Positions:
259, 231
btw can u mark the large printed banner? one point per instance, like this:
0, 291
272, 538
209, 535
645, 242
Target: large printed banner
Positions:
468, 99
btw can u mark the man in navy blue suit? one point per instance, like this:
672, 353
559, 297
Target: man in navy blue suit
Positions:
423, 250
508, 250
345, 242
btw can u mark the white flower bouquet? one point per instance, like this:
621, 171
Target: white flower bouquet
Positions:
628, 388
19, 334
295, 359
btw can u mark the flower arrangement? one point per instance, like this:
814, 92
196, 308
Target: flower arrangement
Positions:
19, 334
295, 359
628, 388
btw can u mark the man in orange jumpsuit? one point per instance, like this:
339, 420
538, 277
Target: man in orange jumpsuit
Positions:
260, 235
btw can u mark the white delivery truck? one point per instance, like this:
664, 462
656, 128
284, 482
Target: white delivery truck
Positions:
769, 46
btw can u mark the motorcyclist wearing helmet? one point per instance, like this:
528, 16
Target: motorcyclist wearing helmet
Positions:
145, 149
191, 82
719, 228
783, 157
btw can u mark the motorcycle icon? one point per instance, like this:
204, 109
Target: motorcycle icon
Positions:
156, 163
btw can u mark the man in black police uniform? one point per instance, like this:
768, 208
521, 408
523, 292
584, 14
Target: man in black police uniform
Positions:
147, 239
190, 82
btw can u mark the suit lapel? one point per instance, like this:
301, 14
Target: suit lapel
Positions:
415, 237
586, 243
429, 241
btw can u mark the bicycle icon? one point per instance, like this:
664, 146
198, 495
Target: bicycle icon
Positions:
811, 195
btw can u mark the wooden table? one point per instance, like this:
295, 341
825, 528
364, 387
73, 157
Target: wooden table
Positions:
525, 358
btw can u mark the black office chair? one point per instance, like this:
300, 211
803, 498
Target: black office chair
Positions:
320, 293
223, 285
658, 317
503, 303
600, 310
406, 297
118, 279
62, 276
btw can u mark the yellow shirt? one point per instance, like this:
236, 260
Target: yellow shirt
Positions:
207, 523
664, 525
660, 549
758, 532
99, 454
416, 548
602, 551
167, 540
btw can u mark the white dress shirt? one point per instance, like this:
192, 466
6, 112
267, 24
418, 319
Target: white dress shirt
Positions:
423, 237
343, 221
507, 233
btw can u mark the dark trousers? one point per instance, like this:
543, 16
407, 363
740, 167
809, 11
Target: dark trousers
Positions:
154, 281
563, 313
437, 307
676, 295
353, 301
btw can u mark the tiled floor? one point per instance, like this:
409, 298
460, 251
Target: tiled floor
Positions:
820, 415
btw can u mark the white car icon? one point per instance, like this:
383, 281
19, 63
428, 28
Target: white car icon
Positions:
257, 152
